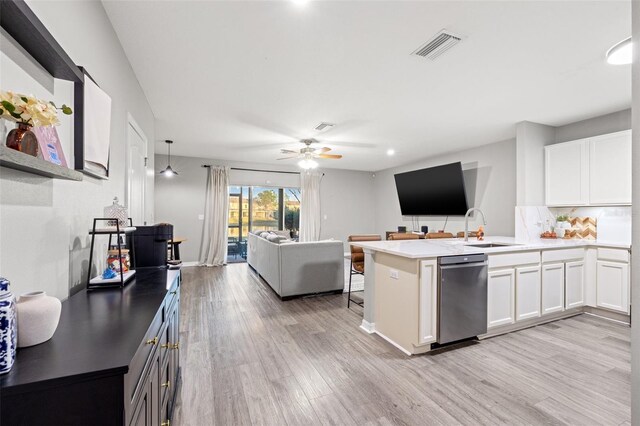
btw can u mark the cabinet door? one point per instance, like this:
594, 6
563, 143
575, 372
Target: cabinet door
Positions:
500, 297
142, 411
612, 285
574, 284
527, 292
567, 174
155, 390
610, 169
428, 289
552, 288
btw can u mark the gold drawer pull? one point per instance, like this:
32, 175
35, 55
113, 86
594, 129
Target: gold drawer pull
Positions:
167, 423
174, 292
153, 341
166, 346
175, 346
166, 385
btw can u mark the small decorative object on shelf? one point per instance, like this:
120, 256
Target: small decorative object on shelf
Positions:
115, 275
38, 315
23, 139
8, 327
480, 233
27, 111
116, 211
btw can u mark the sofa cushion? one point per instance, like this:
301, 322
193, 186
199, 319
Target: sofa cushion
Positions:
285, 234
264, 234
274, 238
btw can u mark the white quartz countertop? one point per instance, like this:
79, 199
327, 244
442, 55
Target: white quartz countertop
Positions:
419, 249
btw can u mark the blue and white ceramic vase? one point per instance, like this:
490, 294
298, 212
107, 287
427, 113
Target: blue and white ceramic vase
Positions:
8, 327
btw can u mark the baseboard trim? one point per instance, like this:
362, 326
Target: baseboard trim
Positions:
406, 352
189, 264
368, 327
607, 314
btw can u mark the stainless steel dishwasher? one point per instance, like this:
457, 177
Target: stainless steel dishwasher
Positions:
462, 297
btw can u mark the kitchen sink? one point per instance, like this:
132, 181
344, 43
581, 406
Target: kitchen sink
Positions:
490, 245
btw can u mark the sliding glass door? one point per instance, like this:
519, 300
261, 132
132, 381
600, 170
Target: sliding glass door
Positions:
259, 208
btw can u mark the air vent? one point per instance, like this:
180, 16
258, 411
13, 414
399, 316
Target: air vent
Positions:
439, 44
324, 126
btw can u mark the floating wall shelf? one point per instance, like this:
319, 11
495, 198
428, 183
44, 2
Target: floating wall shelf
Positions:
20, 161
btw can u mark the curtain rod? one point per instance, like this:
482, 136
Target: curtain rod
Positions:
258, 170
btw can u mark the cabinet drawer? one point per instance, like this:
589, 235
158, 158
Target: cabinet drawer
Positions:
141, 358
513, 259
616, 255
562, 255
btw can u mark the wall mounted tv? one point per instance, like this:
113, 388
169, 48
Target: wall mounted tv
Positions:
436, 191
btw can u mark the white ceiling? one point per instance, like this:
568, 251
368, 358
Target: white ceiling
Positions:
238, 80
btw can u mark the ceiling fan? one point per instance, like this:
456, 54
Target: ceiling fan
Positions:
308, 154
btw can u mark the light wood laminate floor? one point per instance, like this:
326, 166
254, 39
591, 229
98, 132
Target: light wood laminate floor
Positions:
248, 358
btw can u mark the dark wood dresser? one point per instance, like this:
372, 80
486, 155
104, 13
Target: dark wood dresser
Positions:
112, 361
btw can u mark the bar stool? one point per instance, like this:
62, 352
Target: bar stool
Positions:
357, 260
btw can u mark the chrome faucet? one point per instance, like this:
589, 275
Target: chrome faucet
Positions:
466, 221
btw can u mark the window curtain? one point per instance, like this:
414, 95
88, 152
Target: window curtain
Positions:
310, 206
213, 249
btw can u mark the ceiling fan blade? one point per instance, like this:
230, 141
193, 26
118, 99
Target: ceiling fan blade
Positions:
330, 156
288, 151
323, 149
288, 158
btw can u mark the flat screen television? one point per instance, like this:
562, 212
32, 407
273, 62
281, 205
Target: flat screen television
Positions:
436, 191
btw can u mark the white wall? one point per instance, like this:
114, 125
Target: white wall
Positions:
531, 138
44, 222
608, 123
346, 197
490, 179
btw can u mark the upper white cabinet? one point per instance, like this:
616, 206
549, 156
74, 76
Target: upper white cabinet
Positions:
567, 174
593, 171
610, 169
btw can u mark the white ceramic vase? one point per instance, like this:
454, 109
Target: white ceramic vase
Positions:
38, 317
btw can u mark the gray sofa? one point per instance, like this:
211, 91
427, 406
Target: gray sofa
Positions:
295, 269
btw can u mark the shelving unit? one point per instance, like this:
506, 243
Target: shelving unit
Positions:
123, 277
20, 161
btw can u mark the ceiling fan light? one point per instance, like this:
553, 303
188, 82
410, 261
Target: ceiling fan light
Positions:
307, 163
621, 53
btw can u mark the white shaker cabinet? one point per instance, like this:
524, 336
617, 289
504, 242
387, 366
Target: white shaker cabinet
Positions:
527, 292
501, 296
567, 173
574, 284
612, 285
610, 169
553, 288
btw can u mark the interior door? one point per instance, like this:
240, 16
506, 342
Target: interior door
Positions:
136, 173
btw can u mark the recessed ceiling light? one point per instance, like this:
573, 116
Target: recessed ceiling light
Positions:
621, 53
391, 152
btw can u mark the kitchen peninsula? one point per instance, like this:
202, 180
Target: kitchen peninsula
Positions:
528, 283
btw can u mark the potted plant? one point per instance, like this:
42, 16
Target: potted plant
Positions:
27, 111
562, 221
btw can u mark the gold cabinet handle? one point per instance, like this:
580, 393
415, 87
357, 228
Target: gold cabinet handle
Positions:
175, 346
174, 292
166, 346
166, 385
153, 341
167, 423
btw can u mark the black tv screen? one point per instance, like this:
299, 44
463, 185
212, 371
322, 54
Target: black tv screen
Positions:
436, 191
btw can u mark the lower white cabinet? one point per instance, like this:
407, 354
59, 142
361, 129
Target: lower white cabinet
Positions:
612, 285
500, 297
552, 288
527, 292
428, 301
574, 284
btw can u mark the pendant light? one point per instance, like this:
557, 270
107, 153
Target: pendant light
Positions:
169, 172
621, 53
